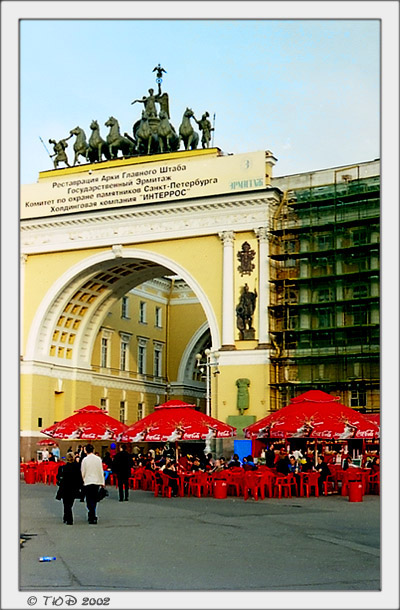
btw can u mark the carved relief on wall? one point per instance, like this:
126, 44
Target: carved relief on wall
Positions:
245, 257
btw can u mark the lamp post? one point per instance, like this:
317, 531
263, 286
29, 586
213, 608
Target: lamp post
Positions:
205, 367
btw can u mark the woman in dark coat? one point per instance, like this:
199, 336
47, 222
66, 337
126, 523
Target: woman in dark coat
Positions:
70, 483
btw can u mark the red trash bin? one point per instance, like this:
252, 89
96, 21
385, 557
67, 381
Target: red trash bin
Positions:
355, 489
220, 490
30, 475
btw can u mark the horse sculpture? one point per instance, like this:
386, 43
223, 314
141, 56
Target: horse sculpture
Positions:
97, 146
168, 139
187, 134
80, 145
143, 135
116, 141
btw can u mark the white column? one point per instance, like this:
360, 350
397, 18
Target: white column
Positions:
228, 295
263, 286
23, 259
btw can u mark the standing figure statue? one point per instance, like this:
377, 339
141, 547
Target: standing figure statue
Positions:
159, 72
149, 104
242, 394
206, 128
245, 311
59, 151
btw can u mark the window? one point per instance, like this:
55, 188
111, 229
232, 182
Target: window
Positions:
158, 321
124, 356
324, 294
140, 410
125, 308
360, 315
324, 241
157, 361
360, 237
142, 355
104, 352
360, 291
142, 312
324, 317
39, 422
122, 409
358, 398
103, 404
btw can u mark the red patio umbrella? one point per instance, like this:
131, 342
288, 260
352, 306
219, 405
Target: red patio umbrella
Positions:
176, 420
88, 423
47, 443
314, 414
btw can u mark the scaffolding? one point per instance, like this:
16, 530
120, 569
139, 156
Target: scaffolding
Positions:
324, 304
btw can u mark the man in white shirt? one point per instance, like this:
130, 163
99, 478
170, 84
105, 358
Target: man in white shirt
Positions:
93, 477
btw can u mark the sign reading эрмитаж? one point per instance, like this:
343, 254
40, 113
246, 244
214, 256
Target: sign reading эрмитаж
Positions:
138, 184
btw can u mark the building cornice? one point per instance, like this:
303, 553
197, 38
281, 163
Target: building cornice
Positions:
148, 223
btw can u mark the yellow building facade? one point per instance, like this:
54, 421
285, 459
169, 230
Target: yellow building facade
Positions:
130, 270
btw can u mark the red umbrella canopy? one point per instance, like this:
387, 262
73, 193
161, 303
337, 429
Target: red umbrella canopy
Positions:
314, 414
176, 420
47, 443
88, 423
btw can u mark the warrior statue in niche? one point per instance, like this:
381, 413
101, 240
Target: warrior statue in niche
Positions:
245, 310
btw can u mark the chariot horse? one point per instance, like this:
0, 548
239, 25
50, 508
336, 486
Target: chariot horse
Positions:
97, 146
116, 141
168, 139
187, 134
80, 145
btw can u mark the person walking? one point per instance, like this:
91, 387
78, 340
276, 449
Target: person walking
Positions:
93, 478
69, 479
121, 466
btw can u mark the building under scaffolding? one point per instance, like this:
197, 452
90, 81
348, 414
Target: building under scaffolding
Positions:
324, 304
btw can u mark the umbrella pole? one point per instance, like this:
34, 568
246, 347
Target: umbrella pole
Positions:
315, 452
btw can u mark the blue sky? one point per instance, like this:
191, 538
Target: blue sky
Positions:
308, 90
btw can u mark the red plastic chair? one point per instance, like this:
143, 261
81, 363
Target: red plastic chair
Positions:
148, 480
199, 485
253, 485
310, 483
235, 482
161, 485
284, 484
268, 481
374, 483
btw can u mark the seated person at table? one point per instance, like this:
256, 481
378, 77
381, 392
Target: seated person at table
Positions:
173, 477
375, 465
218, 467
223, 462
270, 456
151, 465
282, 465
186, 462
248, 463
348, 463
209, 461
308, 465
234, 462
323, 470
197, 465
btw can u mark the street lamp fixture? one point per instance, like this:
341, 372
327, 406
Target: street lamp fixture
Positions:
206, 367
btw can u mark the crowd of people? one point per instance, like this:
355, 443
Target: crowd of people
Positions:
85, 471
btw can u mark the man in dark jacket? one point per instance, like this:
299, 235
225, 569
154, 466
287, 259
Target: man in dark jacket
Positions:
121, 466
70, 483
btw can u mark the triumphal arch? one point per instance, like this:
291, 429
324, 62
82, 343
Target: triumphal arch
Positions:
183, 233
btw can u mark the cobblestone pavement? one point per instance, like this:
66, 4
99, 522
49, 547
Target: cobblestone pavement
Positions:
203, 544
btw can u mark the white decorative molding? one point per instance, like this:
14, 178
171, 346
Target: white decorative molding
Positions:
170, 220
244, 357
117, 250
